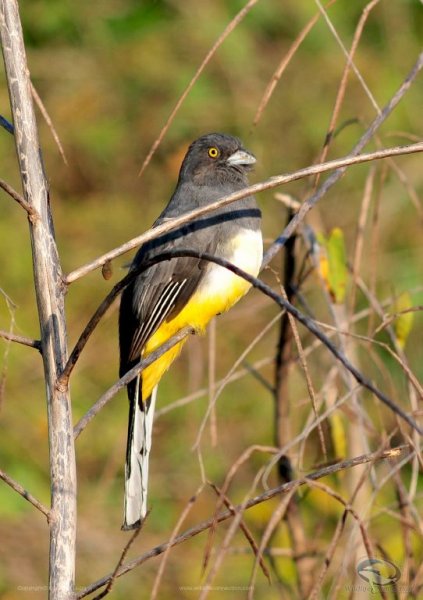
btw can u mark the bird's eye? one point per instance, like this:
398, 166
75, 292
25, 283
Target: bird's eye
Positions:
213, 152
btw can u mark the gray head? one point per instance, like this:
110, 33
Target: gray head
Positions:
216, 158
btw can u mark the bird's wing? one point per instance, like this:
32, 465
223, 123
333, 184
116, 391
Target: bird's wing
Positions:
161, 291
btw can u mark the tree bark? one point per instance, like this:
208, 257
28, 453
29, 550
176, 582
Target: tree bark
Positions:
50, 292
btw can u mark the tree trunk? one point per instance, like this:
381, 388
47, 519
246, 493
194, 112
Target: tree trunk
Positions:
50, 292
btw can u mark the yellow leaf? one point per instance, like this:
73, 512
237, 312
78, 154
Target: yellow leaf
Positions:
332, 264
404, 322
338, 273
338, 435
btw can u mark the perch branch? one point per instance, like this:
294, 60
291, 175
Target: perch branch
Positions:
309, 323
273, 182
129, 376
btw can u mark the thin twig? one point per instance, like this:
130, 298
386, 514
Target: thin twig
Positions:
309, 323
224, 515
273, 182
348, 55
128, 377
230, 533
173, 535
227, 31
407, 371
390, 318
49, 122
274, 521
344, 79
125, 551
32, 213
20, 339
329, 556
245, 530
23, 492
339, 172
284, 63
228, 479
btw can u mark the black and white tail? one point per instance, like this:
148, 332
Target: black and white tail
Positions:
140, 427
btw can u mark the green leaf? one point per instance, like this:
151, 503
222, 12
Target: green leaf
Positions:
404, 321
333, 264
338, 274
338, 435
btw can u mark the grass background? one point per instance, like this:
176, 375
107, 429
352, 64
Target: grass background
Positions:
109, 74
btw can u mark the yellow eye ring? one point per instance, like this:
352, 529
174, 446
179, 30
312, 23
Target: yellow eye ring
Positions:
213, 152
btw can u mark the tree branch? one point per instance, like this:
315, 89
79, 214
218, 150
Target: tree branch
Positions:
99, 313
125, 551
336, 175
20, 339
27, 495
228, 30
309, 323
7, 125
32, 213
224, 515
271, 183
129, 376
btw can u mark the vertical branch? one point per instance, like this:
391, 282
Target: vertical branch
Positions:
282, 431
50, 291
282, 360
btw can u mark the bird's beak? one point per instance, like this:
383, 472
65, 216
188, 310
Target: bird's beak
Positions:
241, 158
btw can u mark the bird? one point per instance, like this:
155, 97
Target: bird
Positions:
184, 291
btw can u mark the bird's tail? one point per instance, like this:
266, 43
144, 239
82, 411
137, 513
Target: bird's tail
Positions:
140, 427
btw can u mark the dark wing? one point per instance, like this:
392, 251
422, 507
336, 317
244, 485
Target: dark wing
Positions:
164, 293
161, 291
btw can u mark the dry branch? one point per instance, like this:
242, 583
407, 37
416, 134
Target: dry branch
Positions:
339, 172
20, 339
128, 377
227, 31
309, 323
273, 182
344, 79
224, 515
32, 213
271, 86
245, 530
24, 493
125, 551
49, 291
49, 122
174, 533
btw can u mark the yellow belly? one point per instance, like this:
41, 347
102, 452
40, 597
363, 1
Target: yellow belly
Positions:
219, 291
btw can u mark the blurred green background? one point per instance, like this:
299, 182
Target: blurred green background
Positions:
109, 74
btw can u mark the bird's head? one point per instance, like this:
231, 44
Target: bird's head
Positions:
216, 158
